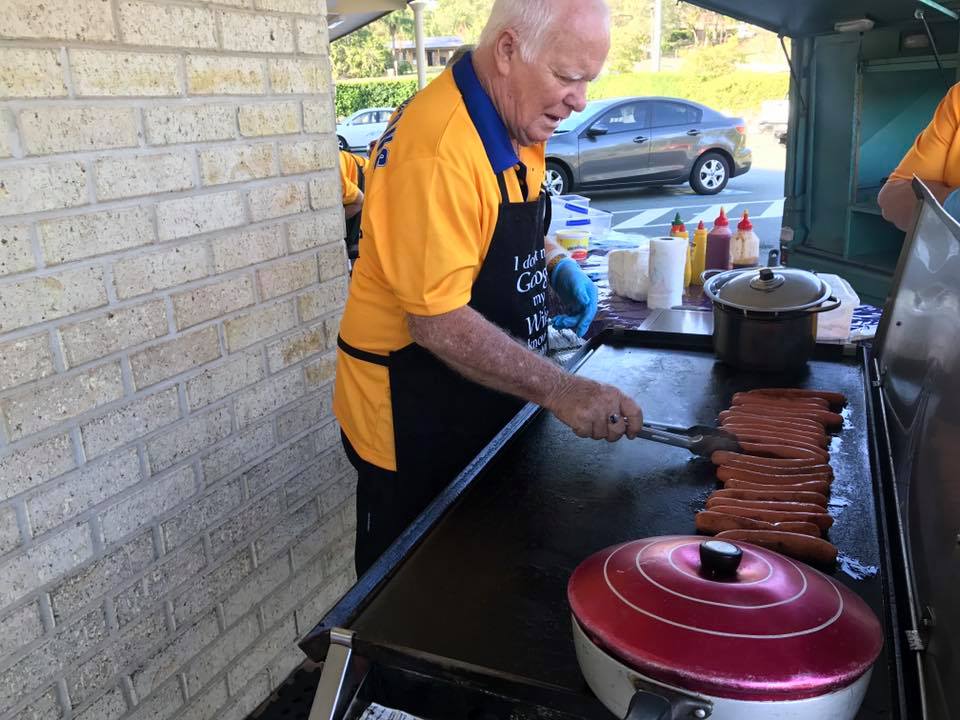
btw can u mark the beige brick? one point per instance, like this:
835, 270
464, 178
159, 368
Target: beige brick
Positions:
316, 409
145, 506
9, 538
38, 299
20, 627
47, 130
303, 77
200, 214
312, 37
268, 473
46, 707
206, 591
259, 324
247, 248
129, 176
193, 435
319, 115
8, 133
304, 7
24, 360
60, 399
236, 163
333, 261
287, 276
167, 359
44, 562
306, 582
83, 236
158, 270
249, 32
170, 25
236, 452
266, 578
113, 570
35, 188
321, 228
134, 420
214, 383
168, 660
202, 513
82, 489
325, 190
326, 298
295, 347
31, 73
114, 74
271, 201
256, 658
64, 20
168, 124
107, 707
162, 705
116, 330
247, 700
304, 157
320, 602
221, 653
210, 301
213, 75
268, 396
275, 118
16, 254
207, 704
34, 465
319, 372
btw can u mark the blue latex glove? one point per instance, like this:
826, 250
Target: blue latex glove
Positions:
578, 295
952, 204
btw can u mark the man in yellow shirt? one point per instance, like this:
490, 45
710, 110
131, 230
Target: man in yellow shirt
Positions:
935, 159
442, 337
352, 168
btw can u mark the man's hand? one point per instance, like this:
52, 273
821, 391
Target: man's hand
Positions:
898, 202
595, 410
578, 295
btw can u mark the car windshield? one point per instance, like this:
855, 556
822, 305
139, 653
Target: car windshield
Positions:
575, 118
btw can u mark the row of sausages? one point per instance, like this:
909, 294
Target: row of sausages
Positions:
775, 492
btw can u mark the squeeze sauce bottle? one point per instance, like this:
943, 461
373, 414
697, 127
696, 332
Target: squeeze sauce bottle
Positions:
745, 246
718, 244
679, 230
699, 254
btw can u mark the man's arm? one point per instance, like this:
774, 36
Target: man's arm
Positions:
898, 202
353, 208
480, 351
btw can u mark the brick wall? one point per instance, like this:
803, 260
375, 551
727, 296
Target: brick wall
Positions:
175, 509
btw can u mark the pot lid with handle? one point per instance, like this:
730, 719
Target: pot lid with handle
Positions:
767, 290
730, 620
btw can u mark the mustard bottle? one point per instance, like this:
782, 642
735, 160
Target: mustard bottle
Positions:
699, 254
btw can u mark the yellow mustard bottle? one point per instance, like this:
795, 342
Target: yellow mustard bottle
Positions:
699, 254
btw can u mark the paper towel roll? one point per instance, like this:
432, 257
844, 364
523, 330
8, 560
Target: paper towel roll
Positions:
668, 257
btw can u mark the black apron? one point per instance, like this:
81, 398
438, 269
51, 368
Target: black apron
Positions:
441, 420
353, 224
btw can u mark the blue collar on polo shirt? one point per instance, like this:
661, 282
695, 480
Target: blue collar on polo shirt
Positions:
486, 119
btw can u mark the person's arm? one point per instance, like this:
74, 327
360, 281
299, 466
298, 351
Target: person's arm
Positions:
480, 351
898, 202
354, 207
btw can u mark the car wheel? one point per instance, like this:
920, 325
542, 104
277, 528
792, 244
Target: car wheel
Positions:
342, 142
710, 174
557, 180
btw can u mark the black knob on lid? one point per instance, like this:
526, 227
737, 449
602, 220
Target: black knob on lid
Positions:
719, 559
766, 274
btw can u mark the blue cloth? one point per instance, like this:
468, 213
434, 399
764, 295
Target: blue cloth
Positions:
578, 295
952, 204
486, 119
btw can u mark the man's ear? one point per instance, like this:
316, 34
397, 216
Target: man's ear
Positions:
505, 50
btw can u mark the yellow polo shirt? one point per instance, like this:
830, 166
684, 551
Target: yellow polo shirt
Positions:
350, 175
430, 209
936, 153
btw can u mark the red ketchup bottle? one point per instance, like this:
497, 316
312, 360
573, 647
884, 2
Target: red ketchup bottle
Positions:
718, 244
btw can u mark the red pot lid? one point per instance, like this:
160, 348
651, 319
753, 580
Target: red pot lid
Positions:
774, 630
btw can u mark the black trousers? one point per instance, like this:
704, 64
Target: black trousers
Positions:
385, 507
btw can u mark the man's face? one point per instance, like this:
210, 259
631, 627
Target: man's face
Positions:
543, 92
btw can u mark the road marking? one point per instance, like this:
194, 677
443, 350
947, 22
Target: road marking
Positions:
641, 219
708, 215
775, 210
646, 218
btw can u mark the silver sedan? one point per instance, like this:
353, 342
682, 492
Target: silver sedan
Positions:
629, 142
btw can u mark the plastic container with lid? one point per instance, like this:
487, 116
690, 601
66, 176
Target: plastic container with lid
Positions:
595, 222
834, 326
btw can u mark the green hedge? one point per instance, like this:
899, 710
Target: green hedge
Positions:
741, 92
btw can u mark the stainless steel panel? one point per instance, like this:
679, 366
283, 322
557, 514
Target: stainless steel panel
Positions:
918, 353
689, 322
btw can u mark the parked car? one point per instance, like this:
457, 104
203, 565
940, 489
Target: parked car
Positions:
635, 141
356, 132
774, 117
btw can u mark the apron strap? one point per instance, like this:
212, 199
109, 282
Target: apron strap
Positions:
363, 355
521, 171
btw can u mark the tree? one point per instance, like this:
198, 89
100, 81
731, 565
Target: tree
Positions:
397, 23
359, 54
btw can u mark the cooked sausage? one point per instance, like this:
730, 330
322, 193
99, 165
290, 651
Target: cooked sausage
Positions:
786, 452
758, 437
821, 520
774, 505
818, 486
746, 398
738, 427
802, 547
756, 465
725, 457
792, 496
743, 412
826, 418
803, 528
836, 399
769, 476
712, 522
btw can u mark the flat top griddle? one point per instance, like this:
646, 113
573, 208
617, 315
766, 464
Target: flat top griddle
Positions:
487, 585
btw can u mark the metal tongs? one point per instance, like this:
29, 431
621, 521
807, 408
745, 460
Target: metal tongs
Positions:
699, 439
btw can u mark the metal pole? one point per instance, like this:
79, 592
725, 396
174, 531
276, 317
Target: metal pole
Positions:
418, 6
655, 36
